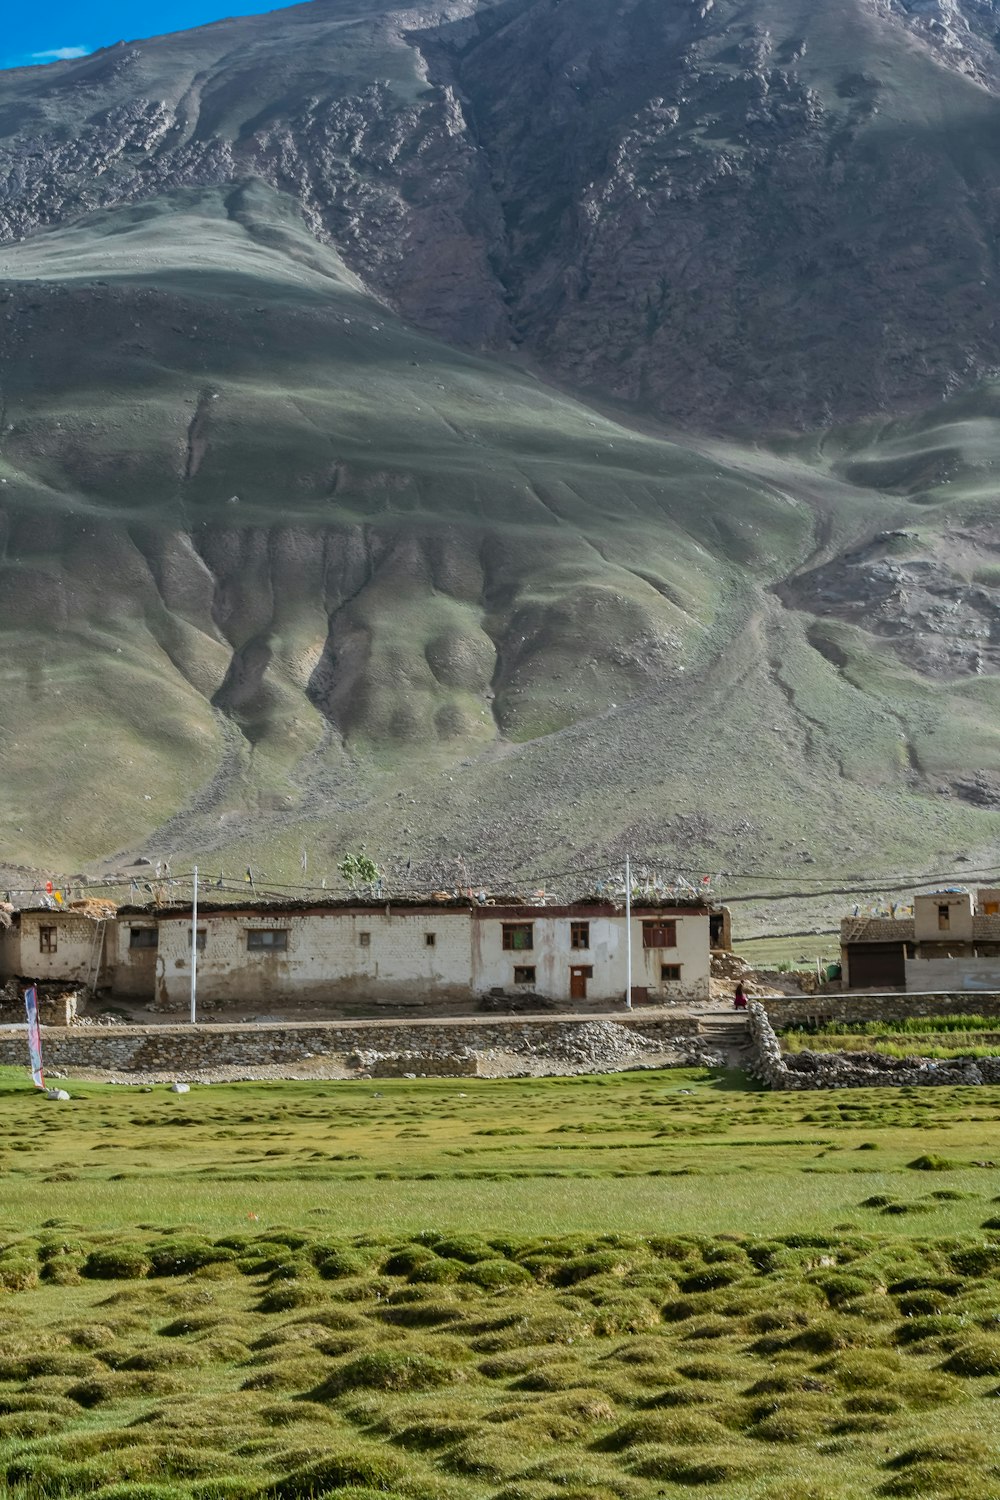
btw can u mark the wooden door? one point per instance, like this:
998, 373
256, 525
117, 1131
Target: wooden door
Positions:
877, 966
578, 984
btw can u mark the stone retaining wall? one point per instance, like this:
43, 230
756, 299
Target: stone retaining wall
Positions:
188, 1048
766, 1061
844, 1070
809, 1010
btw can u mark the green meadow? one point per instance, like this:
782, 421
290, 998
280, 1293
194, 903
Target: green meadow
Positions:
938, 1037
614, 1288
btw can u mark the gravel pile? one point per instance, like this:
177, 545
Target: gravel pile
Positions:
458, 1062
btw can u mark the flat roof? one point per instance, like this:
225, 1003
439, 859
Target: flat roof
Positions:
495, 906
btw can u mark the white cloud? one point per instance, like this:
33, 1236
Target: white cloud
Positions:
59, 54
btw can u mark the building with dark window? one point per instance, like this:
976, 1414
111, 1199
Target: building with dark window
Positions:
948, 940
436, 953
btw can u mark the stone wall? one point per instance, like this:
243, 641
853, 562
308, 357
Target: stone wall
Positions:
57, 1006
766, 1061
844, 1070
188, 1048
58, 1009
808, 1010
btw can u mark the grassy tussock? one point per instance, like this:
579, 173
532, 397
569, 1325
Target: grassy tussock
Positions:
244, 1350
563, 1379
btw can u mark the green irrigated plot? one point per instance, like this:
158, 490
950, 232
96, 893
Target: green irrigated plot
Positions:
681, 1150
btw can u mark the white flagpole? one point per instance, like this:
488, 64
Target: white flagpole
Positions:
194, 950
628, 933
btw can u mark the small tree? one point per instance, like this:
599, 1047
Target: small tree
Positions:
360, 870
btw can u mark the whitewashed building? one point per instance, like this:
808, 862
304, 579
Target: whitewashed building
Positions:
578, 952
61, 945
316, 955
326, 957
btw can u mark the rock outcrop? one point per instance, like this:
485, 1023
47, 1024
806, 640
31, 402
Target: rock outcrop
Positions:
726, 218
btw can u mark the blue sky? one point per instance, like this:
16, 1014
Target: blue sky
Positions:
59, 29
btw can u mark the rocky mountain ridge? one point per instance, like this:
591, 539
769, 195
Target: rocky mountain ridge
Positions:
514, 426
712, 211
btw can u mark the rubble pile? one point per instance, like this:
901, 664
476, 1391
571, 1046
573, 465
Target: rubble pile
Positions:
871, 1069
588, 1047
499, 1003
462, 1062
773, 983
729, 970
606, 1047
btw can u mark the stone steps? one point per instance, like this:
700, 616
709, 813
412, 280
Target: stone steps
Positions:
718, 1026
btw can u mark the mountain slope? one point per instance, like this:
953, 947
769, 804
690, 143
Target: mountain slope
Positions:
298, 550
779, 213
243, 479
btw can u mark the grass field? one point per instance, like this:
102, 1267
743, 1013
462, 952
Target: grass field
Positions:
629, 1286
787, 952
938, 1037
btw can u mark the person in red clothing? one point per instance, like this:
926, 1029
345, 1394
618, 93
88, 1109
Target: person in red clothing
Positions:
740, 997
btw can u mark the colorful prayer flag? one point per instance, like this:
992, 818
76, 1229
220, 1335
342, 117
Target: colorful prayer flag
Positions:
34, 1036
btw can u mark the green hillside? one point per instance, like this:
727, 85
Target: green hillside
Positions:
309, 538
292, 516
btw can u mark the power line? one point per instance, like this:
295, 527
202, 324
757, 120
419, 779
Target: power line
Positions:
646, 870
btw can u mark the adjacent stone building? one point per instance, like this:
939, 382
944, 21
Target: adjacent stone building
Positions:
951, 942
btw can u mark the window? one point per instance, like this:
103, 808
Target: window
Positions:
517, 936
142, 937
47, 939
364, 939
200, 939
659, 934
524, 976
944, 917
267, 940
579, 934
670, 973
430, 939
991, 908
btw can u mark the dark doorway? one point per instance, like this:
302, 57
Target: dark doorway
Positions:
877, 966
